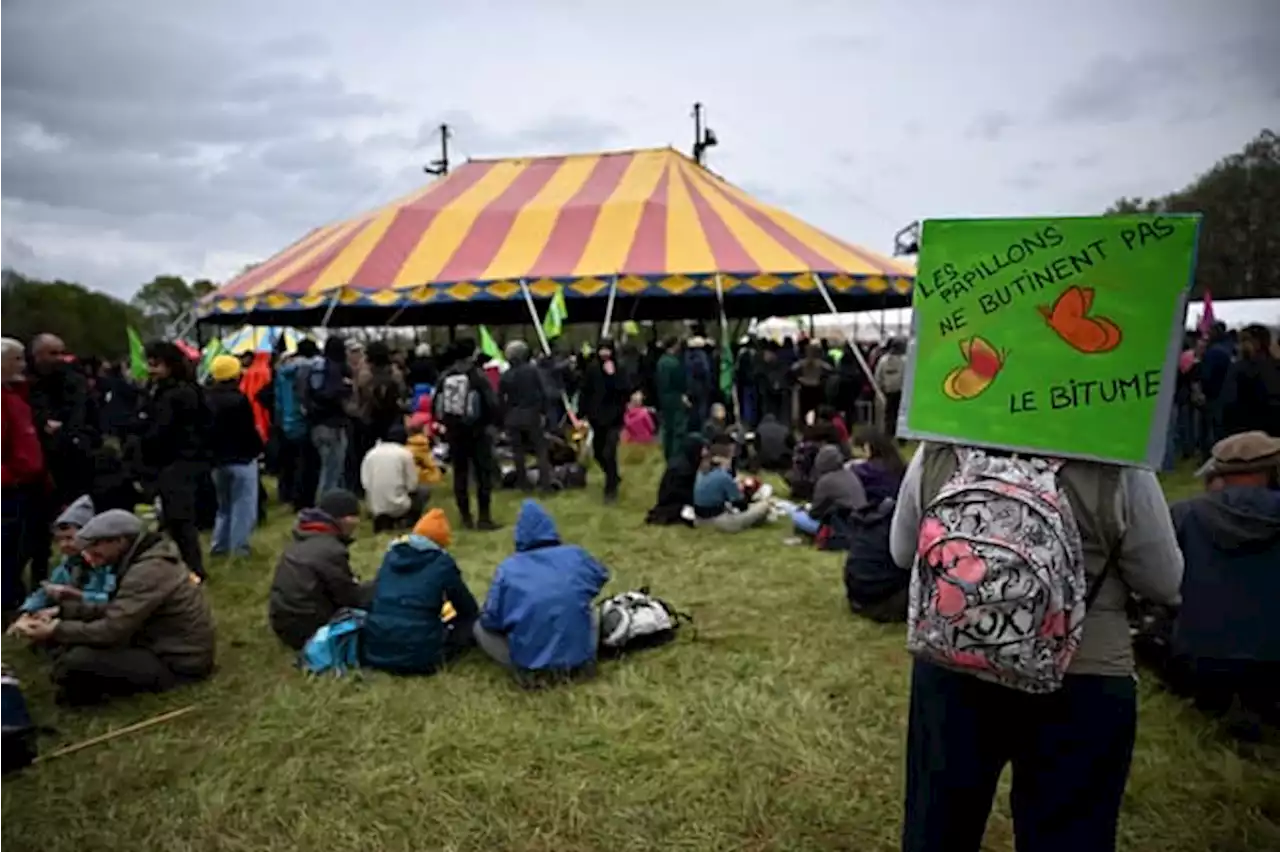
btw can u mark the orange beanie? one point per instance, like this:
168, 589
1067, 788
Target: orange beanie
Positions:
435, 526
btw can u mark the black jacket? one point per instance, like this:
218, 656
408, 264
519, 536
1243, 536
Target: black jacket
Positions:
233, 436
481, 386
328, 389
523, 393
175, 425
313, 580
604, 396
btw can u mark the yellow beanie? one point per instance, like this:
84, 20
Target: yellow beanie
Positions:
435, 526
225, 368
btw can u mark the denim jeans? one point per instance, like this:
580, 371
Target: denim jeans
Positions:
331, 446
237, 488
805, 523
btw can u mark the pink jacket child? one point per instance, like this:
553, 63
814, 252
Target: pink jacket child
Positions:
638, 426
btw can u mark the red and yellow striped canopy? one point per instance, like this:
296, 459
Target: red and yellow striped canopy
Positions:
651, 220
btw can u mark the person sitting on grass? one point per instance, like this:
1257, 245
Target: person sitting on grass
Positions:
419, 443
422, 613
719, 502
389, 474
313, 578
878, 464
675, 491
774, 443
155, 634
539, 617
838, 491
716, 429
96, 583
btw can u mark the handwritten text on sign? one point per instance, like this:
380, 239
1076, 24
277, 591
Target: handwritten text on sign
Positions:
1062, 315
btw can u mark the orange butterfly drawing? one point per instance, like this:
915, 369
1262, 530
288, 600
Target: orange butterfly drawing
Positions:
1069, 318
983, 365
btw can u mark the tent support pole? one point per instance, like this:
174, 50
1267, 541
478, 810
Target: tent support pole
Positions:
328, 314
608, 308
725, 344
394, 316
546, 346
857, 350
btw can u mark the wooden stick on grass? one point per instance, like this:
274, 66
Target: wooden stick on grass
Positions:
119, 732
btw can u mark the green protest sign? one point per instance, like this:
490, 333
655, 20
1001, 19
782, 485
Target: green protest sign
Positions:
1057, 336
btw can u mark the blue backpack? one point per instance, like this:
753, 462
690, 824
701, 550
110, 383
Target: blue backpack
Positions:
335, 647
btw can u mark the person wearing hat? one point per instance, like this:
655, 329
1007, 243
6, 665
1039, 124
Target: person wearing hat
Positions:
524, 401
153, 635
234, 448
313, 578
605, 392
422, 612
1230, 539
92, 583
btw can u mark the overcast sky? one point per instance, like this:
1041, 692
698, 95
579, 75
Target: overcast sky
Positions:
147, 136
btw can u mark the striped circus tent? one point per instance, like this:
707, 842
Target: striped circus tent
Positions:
660, 234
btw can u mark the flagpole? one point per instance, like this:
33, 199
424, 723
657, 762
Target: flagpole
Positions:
608, 308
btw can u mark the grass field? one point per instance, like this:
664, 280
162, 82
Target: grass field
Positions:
781, 726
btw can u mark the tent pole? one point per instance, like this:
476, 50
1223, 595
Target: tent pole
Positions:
608, 308
328, 314
533, 313
724, 329
857, 350
546, 347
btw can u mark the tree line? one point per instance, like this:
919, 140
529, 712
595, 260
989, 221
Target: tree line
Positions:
93, 323
1239, 252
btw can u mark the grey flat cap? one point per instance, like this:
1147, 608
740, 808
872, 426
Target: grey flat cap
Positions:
113, 523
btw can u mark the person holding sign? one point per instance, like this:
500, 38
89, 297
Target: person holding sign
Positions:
1043, 373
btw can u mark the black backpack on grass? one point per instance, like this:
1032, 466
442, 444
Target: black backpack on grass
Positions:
19, 734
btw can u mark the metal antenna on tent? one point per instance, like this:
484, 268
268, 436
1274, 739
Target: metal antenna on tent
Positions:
441, 166
703, 138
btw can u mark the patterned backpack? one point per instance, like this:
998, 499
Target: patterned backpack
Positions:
999, 589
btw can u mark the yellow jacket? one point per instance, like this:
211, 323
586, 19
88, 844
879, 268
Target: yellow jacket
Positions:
428, 470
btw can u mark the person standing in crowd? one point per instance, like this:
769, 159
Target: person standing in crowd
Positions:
307, 474
524, 401
234, 448
700, 380
290, 428
673, 399
1251, 390
1070, 748
329, 389
59, 398
382, 395
467, 407
889, 373
174, 446
604, 406
1214, 366
22, 472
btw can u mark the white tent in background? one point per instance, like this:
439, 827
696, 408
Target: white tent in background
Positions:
896, 322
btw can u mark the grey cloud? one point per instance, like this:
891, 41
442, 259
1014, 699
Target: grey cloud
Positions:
990, 125
552, 134
1115, 88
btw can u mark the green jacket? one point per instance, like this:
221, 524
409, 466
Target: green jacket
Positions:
671, 382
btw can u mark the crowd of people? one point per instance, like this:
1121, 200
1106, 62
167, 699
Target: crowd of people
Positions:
118, 478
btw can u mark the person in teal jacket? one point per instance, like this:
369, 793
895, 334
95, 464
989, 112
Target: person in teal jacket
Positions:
96, 583
422, 612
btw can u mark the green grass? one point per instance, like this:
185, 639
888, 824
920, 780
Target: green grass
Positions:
780, 727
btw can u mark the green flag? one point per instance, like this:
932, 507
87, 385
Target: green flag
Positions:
212, 350
726, 366
557, 316
137, 355
489, 347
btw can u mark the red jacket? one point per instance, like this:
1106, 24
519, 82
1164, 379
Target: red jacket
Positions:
22, 460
